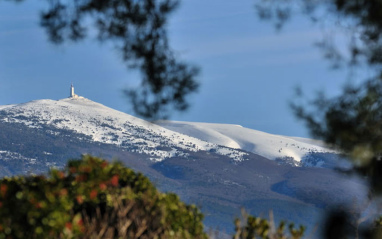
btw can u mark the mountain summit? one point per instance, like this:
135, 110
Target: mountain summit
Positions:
105, 125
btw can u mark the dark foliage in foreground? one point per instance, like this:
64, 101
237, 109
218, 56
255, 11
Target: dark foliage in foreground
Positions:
256, 227
93, 198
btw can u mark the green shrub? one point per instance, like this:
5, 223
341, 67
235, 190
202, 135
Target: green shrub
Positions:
92, 198
255, 227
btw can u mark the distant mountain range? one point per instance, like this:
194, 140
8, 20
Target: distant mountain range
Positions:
217, 166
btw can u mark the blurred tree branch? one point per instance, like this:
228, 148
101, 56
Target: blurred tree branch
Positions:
138, 30
352, 121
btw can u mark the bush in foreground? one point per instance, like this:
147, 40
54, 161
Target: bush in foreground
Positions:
92, 198
255, 227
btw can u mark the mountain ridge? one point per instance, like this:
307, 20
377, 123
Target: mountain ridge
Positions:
85, 116
267, 145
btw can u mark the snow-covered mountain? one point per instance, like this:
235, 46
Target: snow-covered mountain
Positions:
162, 140
235, 136
106, 125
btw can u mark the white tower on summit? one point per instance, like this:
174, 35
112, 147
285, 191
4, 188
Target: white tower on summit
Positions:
72, 95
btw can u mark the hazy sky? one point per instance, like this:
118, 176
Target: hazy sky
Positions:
248, 70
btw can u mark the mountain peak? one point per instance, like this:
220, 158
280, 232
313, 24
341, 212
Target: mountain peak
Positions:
82, 101
105, 125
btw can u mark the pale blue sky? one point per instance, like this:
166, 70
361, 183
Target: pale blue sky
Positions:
248, 70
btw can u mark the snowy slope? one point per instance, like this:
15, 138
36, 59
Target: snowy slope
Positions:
235, 136
106, 125
5, 106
